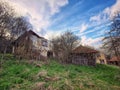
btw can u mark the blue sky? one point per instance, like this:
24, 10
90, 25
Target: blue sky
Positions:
88, 19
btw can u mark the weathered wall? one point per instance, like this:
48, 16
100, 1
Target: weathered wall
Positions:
100, 57
83, 59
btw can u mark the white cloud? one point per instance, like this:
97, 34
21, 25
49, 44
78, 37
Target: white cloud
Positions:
95, 28
95, 18
112, 10
107, 13
99, 21
83, 27
91, 42
52, 34
38, 11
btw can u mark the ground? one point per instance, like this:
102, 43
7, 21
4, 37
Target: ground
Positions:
51, 75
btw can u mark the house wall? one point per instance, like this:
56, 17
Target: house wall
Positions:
117, 63
31, 47
100, 58
36, 42
39, 44
83, 59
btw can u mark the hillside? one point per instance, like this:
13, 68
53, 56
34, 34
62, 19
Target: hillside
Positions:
27, 75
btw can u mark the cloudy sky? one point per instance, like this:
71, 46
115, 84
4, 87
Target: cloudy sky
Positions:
88, 19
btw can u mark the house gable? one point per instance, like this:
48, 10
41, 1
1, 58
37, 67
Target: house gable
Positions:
31, 43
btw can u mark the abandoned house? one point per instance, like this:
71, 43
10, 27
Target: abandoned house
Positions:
84, 56
101, 58
114, 61
31, 46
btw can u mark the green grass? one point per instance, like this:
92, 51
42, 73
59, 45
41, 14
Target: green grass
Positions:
20, 75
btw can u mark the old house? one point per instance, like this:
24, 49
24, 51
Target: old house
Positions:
101, 58
84, 56
30, 45
114, 60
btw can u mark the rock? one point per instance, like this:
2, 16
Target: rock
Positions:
52, 78
55, 78
81, 86
90, 85
48, 78
39, 86
50, 88
42, 73
116, 87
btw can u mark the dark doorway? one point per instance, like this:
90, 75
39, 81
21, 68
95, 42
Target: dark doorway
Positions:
49, 54
102, 61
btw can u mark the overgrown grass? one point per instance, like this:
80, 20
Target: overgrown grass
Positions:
21, 75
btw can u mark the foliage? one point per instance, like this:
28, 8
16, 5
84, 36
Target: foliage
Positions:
21, 75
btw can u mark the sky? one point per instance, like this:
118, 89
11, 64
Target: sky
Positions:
88, 19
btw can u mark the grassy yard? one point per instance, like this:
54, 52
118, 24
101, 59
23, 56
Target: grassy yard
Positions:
27, 75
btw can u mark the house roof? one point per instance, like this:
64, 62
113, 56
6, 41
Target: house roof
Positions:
30, 32
33, 33
27, 33
84, 49
114, 58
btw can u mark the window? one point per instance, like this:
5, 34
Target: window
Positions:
44, 43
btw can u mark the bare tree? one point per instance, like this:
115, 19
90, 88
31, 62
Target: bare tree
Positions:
63, 45
112, 37
6, 17
20, 26
11, 26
